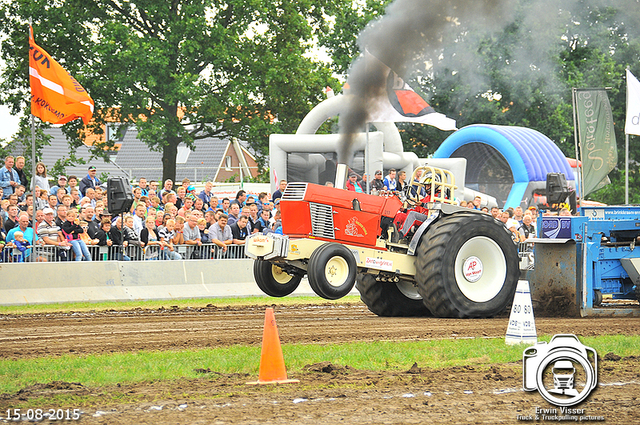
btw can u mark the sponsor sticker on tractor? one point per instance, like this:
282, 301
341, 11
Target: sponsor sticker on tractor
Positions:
472, 269
355, 228
556, 227
379, 263
260, 240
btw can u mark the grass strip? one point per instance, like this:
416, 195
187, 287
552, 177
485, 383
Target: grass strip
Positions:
110, 369
181, 303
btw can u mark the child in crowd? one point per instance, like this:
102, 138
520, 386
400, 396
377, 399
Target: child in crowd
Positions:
178, 238
155, 204
85, 235
166, 233
72, 230
21, 244
204, 231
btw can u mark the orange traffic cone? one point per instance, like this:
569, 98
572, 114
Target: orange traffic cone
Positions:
272, 370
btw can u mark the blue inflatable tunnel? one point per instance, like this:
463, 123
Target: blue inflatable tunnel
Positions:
509, 163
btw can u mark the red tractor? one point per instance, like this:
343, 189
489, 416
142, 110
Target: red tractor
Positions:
413, 253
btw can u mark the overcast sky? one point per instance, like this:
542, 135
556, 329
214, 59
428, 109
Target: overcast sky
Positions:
8, 123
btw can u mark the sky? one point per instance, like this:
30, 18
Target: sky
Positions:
8, 123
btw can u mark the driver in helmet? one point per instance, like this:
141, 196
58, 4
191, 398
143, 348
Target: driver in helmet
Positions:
418, 214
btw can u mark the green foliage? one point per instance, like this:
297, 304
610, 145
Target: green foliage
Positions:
342, 41
232, 179
178, 70
614, 193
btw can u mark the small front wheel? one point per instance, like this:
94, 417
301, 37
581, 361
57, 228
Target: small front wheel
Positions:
332, 271
274, 281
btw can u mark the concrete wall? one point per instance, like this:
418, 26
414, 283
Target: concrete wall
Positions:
38, 283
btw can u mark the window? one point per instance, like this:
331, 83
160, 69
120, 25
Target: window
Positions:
183, 154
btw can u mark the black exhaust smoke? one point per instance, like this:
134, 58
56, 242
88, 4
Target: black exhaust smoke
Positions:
412, 32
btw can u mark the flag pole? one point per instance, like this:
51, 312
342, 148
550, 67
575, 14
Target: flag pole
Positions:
575, 139
33, 161
33, 172
626, 152
626, 169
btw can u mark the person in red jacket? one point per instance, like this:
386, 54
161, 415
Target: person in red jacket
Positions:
353, 185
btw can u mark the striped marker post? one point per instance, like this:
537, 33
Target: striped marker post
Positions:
522, 326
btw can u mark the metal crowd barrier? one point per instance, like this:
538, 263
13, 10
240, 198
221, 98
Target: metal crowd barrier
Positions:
525, 254
44, 253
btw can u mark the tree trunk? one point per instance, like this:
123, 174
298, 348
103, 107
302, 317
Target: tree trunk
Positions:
169, 154
170, 150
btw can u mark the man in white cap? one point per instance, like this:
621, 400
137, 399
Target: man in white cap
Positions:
62, 184
51, 235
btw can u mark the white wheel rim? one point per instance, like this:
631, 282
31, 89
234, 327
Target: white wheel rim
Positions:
409, 290
336, 271
493, 271
279, 275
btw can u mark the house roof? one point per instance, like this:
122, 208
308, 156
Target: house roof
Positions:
201, 163
59, 149
134, 159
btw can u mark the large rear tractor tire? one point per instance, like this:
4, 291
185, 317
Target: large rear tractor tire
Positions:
274, 281
332, 271
467, 266
390, 299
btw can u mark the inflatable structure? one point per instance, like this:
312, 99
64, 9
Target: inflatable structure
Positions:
509, 163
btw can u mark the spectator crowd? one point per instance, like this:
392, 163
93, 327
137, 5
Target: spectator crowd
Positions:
72, 221
169, 222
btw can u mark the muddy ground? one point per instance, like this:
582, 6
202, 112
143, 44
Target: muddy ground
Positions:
328, 393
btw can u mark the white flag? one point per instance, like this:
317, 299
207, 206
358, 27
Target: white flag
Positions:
632, 125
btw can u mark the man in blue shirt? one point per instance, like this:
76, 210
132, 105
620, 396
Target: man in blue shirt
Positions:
9, 178
206, 194
142, 184
390, 180
90, 181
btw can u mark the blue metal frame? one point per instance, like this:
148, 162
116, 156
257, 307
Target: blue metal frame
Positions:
599, 267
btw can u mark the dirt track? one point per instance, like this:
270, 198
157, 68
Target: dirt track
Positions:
328, 393
166, 329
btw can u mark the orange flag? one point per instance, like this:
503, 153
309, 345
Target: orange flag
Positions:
56, 96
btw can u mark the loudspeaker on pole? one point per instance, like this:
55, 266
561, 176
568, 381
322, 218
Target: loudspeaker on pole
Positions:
522, 326
119, 195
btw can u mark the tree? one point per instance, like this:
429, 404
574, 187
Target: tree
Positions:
179, 70
342, 41
521, 73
